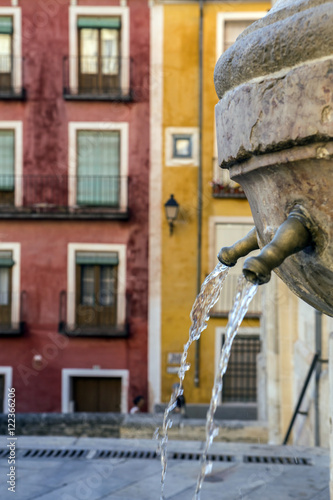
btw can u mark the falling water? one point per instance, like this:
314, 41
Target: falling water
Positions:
244, 295
208, 296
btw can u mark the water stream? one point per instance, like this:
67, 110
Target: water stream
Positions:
244, 295
206, 299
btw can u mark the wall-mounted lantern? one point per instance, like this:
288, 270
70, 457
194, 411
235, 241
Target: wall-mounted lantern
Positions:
171, 211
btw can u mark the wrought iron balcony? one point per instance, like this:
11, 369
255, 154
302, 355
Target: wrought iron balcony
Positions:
10, 325
95, 320
96, 78
222, 185
11, 78
64, 196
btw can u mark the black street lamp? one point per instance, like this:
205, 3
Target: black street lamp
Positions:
171, 211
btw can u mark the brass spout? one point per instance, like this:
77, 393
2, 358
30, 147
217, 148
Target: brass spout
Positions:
291, 237
229, 255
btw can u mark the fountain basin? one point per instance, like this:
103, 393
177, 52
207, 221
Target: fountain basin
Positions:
275, 133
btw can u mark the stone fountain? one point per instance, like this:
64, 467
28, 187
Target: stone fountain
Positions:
275, 135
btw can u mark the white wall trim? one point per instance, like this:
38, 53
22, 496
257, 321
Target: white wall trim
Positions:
219, 331
170, 161
15, 248
17, 126
121, 11
66, 386
222, 17
73, 128
71, 269
7, 371
211, 230
15, 12
155, 205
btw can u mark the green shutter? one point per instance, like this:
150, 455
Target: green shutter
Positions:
6, 259
99, 22
7, 139
98, 166
97, 258
6, 25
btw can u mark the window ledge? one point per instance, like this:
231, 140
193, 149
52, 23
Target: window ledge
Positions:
13, 96
62, 213
121, 331
117, 96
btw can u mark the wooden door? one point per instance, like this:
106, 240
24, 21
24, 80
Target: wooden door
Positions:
97, 394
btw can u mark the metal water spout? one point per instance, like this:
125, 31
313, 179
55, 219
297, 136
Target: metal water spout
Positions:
274, 126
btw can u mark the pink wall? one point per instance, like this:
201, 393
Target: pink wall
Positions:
45, 115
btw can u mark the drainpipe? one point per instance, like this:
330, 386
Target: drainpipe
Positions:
197, 346
318, 349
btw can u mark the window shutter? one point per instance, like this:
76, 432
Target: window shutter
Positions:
6, 25
99, 22
6, 259
97, 258
7, 140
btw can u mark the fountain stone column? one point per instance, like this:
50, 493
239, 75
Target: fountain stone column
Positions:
274, 125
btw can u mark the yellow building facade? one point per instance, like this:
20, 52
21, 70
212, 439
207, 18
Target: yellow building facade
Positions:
213, 212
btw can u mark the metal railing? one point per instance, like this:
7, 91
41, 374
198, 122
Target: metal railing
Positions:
52, 192
222, 185
7, 325
97, 319
95, 77
227, 297
11, 77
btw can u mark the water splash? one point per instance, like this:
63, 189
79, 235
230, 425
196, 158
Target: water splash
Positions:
206, 299
244, 295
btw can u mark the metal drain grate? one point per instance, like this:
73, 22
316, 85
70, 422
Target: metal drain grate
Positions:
197, 456
276, 460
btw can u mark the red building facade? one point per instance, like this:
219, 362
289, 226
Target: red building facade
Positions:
74, 169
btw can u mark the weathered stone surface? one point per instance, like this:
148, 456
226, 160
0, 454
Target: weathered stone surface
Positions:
276, 113
292, 33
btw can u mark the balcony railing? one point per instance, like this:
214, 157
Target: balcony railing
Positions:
96, 320
222, 185
227, 297
96, 78
61, 194
11, 77
10, 327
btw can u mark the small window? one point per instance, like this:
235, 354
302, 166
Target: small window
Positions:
99, 62
98, 168
6, 264
182, 146
6, 53
7, 149
96, 288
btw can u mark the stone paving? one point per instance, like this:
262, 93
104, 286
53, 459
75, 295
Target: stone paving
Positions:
279, 475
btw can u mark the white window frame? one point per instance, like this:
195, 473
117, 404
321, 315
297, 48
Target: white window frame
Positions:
74, 13
15, 13
120, 249
67, 374
17, 127
15, 248
7, 371
221, 330
73, 128
170, 160
221, 19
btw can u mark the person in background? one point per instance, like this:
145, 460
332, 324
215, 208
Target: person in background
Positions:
138, 404
181, 403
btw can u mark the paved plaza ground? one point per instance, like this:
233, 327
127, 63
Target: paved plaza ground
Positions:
65, 468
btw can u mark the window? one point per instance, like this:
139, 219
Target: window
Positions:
11, 163
10, 295
7, 166
181, 146
98, 165
99, 52
6, 264
96, 288
10, 53
226, 234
